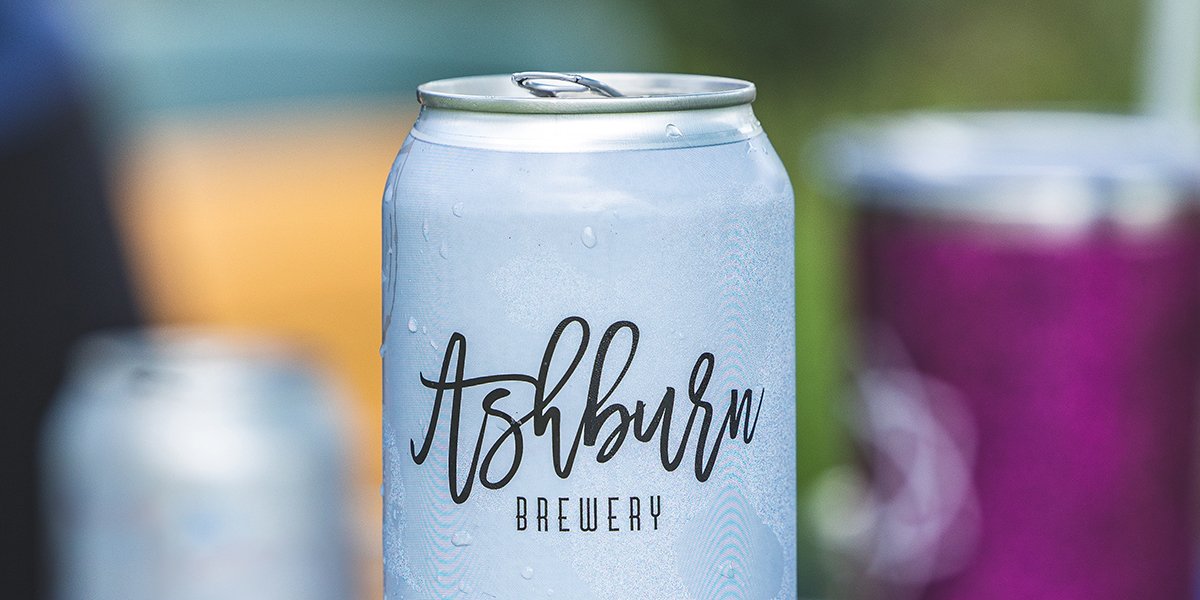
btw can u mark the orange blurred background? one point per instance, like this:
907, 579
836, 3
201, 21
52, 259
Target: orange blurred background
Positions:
279, 234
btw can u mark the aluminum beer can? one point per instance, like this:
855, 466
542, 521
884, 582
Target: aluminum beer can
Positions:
1030, 323
588, 343
195, 466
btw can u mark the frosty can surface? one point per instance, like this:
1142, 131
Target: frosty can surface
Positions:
1030, 310
588, 343
189, 466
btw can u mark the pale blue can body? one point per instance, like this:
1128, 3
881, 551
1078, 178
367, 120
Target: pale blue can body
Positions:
552, 283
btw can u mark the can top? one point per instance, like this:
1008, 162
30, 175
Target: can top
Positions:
538, 92
191, 405
1021, 167
206, 366
593, 112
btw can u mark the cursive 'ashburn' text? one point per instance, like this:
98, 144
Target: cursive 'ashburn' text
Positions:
600, 410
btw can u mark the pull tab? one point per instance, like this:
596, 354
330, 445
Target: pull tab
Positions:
545, 84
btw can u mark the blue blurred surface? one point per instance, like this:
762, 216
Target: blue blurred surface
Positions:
148, 58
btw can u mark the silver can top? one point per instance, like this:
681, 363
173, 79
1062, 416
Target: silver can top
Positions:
185, 364
540, 92
1039, 168
563, 112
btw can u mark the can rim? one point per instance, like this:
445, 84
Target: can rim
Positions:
942, 149
643, 92
1018, 166
185, 343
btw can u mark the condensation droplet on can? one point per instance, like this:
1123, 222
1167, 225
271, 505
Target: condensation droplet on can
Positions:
464, 587
673, 131
432, 344
383, 349
457, 209
727, 570
381, 490
443, 250
412, 324
425, 229
461, 538
589, 237
527, 572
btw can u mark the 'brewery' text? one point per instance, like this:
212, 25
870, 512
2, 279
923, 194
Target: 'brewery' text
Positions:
588, 514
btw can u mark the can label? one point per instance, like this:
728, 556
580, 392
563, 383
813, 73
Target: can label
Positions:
589, 403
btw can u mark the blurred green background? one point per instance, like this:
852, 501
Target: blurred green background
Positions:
820, 62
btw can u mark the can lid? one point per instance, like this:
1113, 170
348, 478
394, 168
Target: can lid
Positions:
1039, 167
540, 92
213, 364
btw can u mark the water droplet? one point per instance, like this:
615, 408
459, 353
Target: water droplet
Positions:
527, 572
460, 539
432, 344
412, 325
673, 131
443, 251
457, 209
383, 349
425, 229
549, 591
381, 492
464, 587
727, 570
589, 237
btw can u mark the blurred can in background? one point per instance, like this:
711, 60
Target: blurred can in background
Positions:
194, 466
1029, 309
588, 343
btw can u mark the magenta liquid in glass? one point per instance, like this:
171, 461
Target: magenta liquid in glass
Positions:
1029, 302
